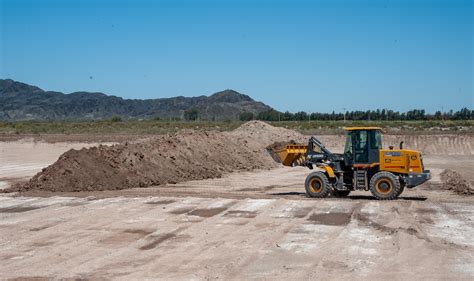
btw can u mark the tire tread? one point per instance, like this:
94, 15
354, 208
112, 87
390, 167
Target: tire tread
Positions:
396, 186
326, 188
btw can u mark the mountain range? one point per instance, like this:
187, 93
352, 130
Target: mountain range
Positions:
20, 101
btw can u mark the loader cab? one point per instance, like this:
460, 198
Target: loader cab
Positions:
362, 145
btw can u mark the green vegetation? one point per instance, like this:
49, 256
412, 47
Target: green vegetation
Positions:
400, 126
387, 115
143, 127
154, 127
116, 119
191, 114
246, 116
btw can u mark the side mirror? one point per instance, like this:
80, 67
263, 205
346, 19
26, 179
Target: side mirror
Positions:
401, 145
391, 147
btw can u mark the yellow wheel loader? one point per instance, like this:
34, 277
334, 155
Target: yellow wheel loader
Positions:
364, 165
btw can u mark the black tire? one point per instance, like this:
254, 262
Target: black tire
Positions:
385, 186
340, 193
402, 188
317, 185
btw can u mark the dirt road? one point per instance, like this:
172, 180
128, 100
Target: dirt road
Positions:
248, 225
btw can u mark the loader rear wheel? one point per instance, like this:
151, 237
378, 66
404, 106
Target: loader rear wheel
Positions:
385, 186
317, 185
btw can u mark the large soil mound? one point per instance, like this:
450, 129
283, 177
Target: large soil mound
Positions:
186, 155
454, 181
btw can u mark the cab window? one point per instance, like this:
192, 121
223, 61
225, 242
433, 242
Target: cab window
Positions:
375, 139
348, 148
360, 139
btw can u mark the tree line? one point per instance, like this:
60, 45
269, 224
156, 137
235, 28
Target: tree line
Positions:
377, 115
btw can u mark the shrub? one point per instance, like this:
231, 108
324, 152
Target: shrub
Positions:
246, 116
116, 119
191, 114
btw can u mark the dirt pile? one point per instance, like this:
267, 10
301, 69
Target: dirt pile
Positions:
265, 139
452, 180
258, 135
186, 155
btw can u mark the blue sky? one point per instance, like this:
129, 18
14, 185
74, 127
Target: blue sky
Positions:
293, 55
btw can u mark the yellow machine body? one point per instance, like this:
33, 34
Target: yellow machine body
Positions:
403, 161
328, 170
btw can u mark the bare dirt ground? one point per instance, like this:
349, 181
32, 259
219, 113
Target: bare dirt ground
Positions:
245, 225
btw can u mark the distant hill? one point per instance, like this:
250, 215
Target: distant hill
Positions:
20, 101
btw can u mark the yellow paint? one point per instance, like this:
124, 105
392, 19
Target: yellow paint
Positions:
292, 153
328, 170
312, 185
402, 161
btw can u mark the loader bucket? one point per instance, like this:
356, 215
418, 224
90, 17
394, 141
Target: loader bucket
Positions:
292, 154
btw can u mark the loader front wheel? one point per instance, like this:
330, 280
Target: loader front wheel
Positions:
385, 186
317, 185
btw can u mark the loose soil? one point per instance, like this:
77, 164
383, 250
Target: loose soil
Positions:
453, 180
